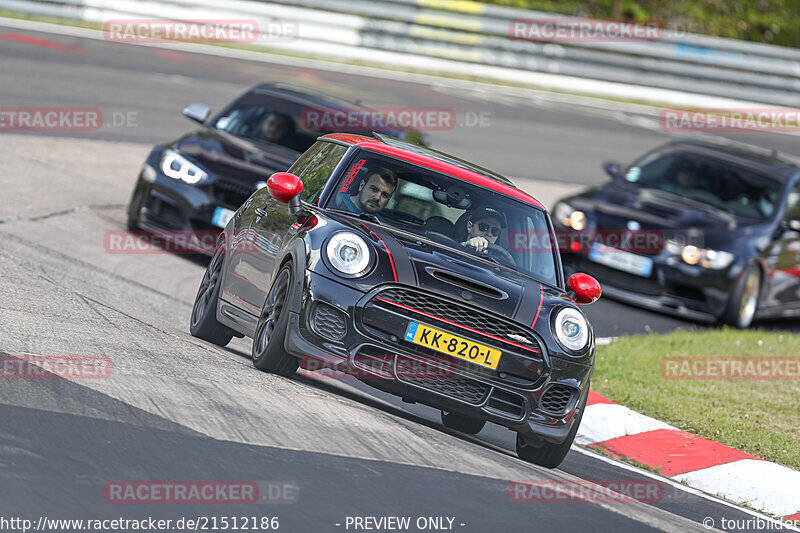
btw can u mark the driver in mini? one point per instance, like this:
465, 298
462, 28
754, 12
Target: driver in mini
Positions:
483, 228
374, 193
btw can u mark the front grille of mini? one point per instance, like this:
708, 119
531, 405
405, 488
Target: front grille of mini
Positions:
375, 361
463, 389
460, 314
329, 322
556, 399
506, 403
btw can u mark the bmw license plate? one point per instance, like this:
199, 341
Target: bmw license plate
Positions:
221, 217
443, 342
621, 260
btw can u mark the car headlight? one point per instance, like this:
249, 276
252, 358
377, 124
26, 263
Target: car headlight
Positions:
178, 167
567, 216
705, 257
349, 254
571, 329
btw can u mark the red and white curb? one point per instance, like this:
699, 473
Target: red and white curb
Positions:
701, 463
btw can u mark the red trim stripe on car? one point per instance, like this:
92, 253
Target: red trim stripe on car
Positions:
391, 261
462, 326
541, 300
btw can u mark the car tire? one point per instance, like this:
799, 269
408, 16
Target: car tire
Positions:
545, 453
269, 354
203, 322
464, 424
743, 301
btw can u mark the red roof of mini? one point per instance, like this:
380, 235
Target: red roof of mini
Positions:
375, 145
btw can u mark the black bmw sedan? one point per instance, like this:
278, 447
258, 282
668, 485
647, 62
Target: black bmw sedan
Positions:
193, 185
704, 229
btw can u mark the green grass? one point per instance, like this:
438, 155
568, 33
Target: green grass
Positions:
760, 417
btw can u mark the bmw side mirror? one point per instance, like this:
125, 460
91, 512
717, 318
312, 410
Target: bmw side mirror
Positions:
197, 112
286, 188
613, 169
584, 288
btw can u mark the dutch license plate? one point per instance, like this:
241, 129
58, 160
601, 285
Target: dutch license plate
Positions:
452, 345
621, 260
221, 217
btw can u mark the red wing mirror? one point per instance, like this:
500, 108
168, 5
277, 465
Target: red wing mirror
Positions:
587, 289
283, 186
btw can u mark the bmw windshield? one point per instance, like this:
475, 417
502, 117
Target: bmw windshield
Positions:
725, 187
450, 212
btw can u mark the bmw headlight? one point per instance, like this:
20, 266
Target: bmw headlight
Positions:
178, 167
567, 216
349, 254
705, 257
571, 329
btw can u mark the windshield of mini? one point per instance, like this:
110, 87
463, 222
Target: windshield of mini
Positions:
722, 186
449, 211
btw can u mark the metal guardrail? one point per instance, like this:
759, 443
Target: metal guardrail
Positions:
472, 32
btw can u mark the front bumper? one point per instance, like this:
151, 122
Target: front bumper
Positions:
167, 206
673, 287
536, 396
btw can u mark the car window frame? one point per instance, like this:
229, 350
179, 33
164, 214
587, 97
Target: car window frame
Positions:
354, 152
319, 193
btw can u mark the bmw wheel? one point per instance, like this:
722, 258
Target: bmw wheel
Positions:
203, 324
744, 298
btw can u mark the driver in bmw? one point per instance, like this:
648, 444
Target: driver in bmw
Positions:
483, 228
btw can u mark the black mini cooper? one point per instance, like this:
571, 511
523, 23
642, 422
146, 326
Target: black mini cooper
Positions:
394, 263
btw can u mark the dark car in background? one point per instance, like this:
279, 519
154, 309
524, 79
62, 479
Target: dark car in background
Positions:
195, 183
706, 229
397, 293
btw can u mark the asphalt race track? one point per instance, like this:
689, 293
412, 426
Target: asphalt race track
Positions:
177, 408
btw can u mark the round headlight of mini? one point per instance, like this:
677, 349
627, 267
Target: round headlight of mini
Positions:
349, 254
571, 329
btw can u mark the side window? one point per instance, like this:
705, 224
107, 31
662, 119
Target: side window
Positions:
793, 203
315, 167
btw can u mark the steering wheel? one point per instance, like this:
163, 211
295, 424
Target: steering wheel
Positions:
402, 216
501, 254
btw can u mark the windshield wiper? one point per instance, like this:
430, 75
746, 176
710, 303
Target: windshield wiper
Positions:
365, 216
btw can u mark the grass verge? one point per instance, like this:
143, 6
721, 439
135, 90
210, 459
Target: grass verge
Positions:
758, 415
